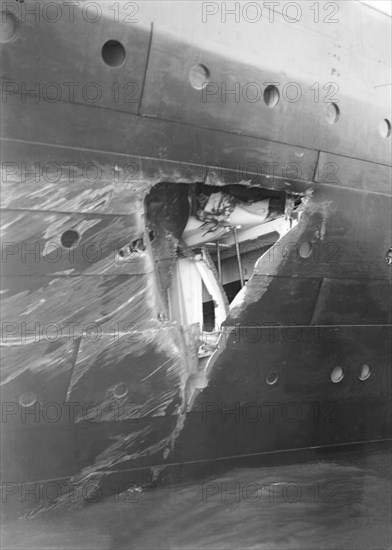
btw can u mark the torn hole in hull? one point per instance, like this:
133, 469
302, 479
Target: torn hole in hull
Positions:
210, 253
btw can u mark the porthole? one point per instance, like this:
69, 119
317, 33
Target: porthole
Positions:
337, 375
365, 372
69, 238
9, 27
385, 128
305, 250
120, 390
272, 378
27, 399
125, 251
92, 491
333, 113
388, 257
113, 53
271, 96
199, 76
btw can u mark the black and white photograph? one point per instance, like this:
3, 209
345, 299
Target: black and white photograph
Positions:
196, 275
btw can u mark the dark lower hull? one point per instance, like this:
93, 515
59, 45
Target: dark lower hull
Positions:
55, 476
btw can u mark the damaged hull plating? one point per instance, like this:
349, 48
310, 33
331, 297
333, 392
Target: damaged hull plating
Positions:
186, 280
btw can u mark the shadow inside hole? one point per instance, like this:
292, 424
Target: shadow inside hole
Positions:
69, 238
113, 53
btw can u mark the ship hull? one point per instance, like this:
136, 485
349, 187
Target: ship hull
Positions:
97, 375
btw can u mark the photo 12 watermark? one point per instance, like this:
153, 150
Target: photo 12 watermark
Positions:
92, 93
269, 492
271, 12
14, 332
29, 410
48, 493
71, 11
271, 93
270, 412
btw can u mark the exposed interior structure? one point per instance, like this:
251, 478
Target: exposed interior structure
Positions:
206, 241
